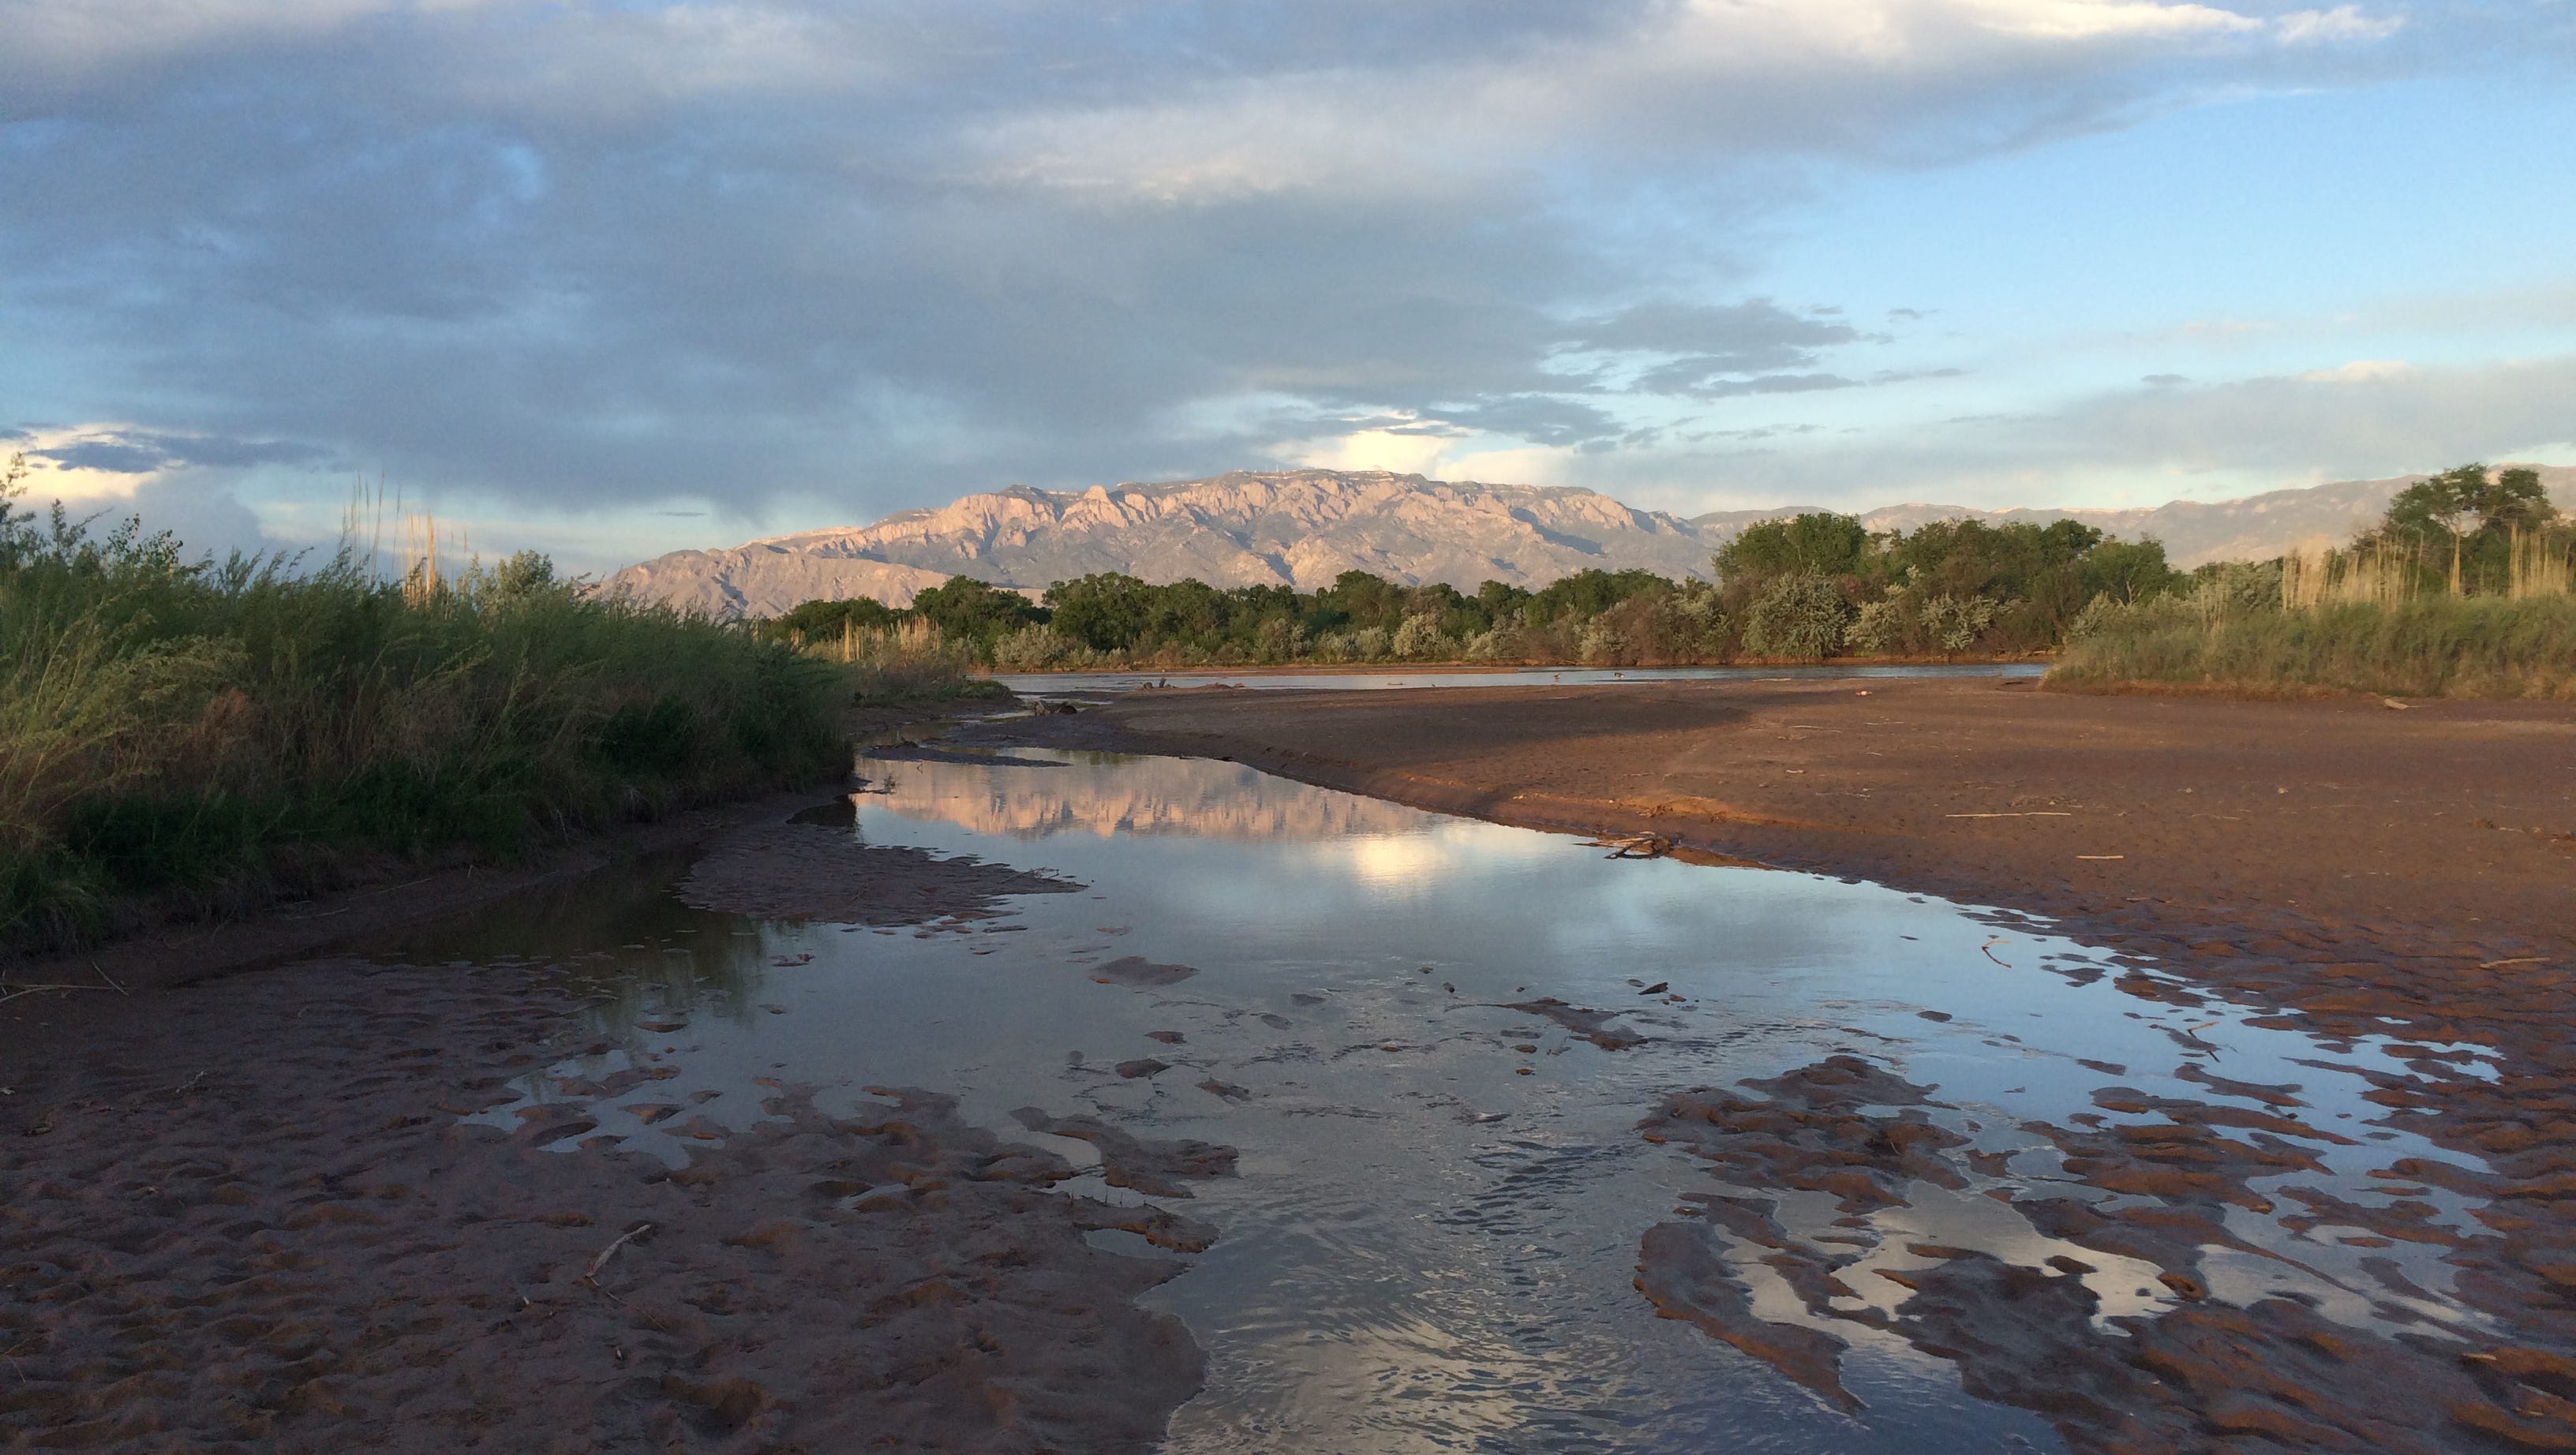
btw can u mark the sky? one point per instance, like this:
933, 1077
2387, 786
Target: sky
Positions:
608, 279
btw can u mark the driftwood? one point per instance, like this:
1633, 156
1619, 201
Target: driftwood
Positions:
1639, 846
591, 1274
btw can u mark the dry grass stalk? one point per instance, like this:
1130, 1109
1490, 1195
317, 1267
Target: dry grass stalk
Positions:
2318, 576
2537, 565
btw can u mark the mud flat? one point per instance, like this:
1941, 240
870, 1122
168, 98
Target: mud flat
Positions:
273, 1212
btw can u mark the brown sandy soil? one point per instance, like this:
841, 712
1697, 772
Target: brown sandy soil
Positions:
245, 1215
2347, 868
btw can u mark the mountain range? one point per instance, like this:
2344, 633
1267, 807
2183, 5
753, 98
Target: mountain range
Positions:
1305, 527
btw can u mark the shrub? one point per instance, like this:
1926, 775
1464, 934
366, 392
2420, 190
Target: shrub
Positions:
1420, 639
1797, 616
1956, 622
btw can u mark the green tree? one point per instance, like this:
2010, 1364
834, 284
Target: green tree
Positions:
1589, 593
967, 610
1817, 544
1105, 611
2128, 571
817, 621
2459, 524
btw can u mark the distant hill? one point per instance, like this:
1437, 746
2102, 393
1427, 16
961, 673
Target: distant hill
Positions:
1305, 527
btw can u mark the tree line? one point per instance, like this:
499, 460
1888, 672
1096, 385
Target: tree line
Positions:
1801, 588
1807, 587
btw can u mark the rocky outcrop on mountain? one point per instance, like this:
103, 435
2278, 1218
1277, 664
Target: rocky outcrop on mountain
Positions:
1302, 528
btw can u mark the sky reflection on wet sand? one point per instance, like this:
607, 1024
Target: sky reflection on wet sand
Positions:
1427, 1248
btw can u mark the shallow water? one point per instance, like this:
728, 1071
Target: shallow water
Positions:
1050, 684
1426, 1249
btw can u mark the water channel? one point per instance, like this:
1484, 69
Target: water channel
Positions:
1060, 684
1431, 1240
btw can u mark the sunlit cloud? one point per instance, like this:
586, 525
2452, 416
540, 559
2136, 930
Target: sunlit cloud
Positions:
2342, 23
2359, 371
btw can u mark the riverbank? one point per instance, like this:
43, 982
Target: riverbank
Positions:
389, 894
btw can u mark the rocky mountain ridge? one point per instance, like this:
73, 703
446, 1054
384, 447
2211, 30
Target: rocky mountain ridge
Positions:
1305, 527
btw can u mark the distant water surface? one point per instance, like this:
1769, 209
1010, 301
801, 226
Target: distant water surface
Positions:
1049, 684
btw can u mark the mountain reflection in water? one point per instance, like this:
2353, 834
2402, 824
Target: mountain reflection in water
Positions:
1105, 794
1432, 1236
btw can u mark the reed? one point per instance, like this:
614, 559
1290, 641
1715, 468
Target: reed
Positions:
907, 662
183, 738
2426, 646
2539, 563
2371, 575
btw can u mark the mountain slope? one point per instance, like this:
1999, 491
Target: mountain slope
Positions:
1305, 527
1286, 528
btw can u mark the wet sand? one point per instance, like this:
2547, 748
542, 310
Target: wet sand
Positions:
2346, 868
250, 1214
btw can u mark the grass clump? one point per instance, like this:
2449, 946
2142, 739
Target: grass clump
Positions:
183, 738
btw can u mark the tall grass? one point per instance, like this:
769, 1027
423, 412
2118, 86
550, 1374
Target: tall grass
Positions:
908, 662
2373, 574
186, 738
2538, 563
2424, 646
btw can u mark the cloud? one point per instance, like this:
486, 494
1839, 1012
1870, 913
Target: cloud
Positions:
121, 450
1741, 337
1539, 418
2343, 23
2159, 441
597, 257
2359, 371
